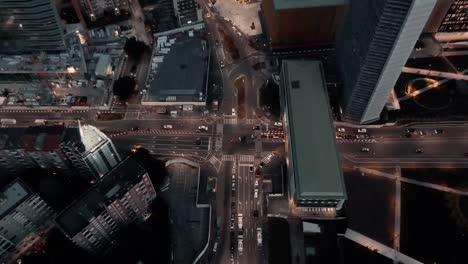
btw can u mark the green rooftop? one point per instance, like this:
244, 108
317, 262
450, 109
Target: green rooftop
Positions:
313, 155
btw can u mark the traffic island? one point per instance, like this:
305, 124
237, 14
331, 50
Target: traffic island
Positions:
239, 83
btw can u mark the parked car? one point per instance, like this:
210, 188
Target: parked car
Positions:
438, 131
419, 150
341, 130
363, 149
278, 124
410, 130
362, 130
256, 128
203, 128
167, 126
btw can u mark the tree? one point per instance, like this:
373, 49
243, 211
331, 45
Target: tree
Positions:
124, 87
135, 48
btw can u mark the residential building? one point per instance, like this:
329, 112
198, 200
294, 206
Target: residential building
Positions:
22, 213
30, 26
184, 53
121, 197
316, 184
373, 50
83, 150
187, 12
303, 23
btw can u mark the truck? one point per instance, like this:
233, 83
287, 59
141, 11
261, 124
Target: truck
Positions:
8, 121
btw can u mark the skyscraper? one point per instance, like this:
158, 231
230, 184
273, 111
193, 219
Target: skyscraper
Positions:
376, 41
83, 149
30, 26
21, 213
120, 197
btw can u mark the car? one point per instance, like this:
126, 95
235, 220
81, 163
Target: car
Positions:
259, 236
233, 185
215, 246
362, 130
256, 183
135, 128
407, 135
240, 246
252, 136
419, 150
255, 213
363, 149
360, 136
233, 111
438, 131
421, 133
278, 124
203, 128
233, 206
221, 64
133, 71
255, 193
275, 136
233, 240
410, 130
208, 15
341, 130
239, 34
232, 225
240, 217
167, 126
227, 19
233, 193
256, 128
233, 176
217, 42
251, 168
257, 173
242, 139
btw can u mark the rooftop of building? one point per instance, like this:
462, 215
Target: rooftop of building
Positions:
49, 138
292, 4
110, 187
12, 195
179, 66
315, 159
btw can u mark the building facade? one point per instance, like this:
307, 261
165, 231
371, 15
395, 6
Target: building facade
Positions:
83, 150
121, 197
30, 26
302, 24
187, 12
22, 212
373, 49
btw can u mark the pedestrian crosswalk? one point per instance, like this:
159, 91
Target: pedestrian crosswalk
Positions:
248, 158
213, 160
229, 158
230, 121
153, 131
273, 140
365, 140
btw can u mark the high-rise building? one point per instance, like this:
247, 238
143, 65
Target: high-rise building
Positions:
121, 197
303, 23
187, 12
316, 183
96, 8
30, 26
448, 16
22, 212
377, 39
84, 150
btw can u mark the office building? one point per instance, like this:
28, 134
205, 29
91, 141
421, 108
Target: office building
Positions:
316, 183
121, 197
83, 150
30, 26
448, 21
187, 12
377, 39
22, 213
303, 23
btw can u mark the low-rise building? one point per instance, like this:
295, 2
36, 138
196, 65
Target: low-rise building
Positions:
179, 68
121, 197
316, 184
